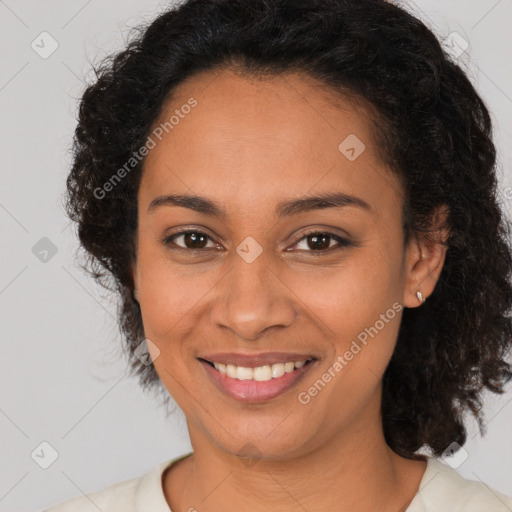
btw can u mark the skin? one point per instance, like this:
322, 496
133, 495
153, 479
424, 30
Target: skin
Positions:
247, 145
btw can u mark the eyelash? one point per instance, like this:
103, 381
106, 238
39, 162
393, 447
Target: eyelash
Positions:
342, 242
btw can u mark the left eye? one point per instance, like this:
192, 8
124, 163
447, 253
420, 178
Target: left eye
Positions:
193, 240
320, 241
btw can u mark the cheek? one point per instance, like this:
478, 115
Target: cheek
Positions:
357, 305
353, 294
169, 293
170, 300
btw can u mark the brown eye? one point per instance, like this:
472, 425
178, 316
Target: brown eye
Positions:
320, 242
192, 240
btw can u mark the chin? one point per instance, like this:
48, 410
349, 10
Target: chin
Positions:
272, 438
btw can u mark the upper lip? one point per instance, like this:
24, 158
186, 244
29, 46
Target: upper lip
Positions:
255, 360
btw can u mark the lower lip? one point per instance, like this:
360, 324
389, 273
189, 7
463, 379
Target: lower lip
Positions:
255, 391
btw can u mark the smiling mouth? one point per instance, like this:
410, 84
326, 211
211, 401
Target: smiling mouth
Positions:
259, 373
256, 384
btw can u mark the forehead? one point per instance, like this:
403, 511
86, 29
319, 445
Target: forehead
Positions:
292, 106
247, 137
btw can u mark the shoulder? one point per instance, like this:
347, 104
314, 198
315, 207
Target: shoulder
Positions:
121, 494
131, 495
443, 489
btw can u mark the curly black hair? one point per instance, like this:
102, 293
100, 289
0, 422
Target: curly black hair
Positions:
434, 132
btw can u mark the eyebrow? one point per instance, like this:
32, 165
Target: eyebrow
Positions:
286, 208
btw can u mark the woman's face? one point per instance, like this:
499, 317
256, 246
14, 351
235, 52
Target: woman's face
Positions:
254, 281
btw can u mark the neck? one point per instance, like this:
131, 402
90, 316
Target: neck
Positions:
355, 470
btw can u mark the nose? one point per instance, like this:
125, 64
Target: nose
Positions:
252, 300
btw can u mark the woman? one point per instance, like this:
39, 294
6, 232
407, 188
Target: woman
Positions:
297, 203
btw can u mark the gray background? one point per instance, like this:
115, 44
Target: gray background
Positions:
62, 375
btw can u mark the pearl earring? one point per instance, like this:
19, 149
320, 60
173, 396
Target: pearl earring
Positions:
420, 297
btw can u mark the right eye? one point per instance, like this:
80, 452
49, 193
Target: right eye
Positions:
192, 240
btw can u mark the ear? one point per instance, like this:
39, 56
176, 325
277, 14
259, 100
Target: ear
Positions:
424, 259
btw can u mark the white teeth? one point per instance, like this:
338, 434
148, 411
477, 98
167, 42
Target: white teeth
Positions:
277, 370
289, 367
243, 373
260, 373
231, 371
